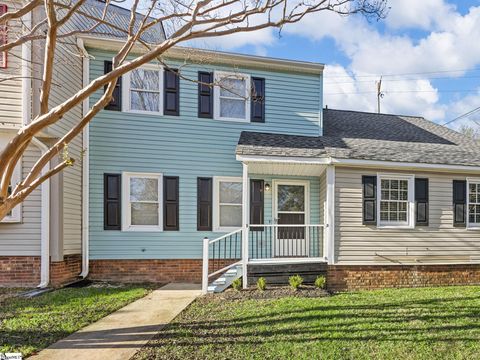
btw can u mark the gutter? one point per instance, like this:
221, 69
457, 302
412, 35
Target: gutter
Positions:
85, 166
45, 187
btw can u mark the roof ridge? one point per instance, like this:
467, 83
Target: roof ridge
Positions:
374, 113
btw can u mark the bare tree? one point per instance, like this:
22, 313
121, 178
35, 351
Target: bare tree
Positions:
470, 131
185, 20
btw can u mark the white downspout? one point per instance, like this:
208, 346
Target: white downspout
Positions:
85, 166
45, 223
45, 187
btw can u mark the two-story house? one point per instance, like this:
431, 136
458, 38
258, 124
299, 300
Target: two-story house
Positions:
221, 164
252, 177
41, 240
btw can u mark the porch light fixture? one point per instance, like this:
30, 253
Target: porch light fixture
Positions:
267, 187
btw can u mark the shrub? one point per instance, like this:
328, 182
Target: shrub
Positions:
295, 281
320, 282
237, 284
261, 284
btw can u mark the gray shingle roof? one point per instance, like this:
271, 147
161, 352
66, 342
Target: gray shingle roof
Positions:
115, 15
369, 136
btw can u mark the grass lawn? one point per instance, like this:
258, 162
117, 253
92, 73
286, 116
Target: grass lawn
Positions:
29, 325
427, 323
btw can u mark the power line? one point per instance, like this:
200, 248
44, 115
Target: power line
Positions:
407, 74
391, 80
405, 91
468, 113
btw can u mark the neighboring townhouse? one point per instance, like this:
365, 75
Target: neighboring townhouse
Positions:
251, 177
41, 240
184, 181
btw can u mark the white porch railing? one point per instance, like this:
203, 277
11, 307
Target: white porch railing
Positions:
264, 242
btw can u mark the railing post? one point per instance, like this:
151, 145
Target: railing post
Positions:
205, 265
245, 219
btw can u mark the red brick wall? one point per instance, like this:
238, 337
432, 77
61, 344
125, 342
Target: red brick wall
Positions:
24, 271
66, 271
150, 270
359, 277
21, 271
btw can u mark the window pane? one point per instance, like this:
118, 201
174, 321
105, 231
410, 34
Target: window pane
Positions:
230, 192
145, 101
232, 87
144, 214
230, 108
291, 198
231, 215
143, 189
385, 184
145, 79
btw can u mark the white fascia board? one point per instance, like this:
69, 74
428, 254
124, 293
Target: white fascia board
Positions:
281, 159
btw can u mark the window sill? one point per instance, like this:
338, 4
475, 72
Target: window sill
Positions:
476, 227
142, 229
10, 221
143, 112
226, 229
404, 227
231, 120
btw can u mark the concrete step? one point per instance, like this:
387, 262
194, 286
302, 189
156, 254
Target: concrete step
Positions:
225, 280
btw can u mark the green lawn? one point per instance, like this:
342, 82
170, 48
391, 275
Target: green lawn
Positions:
428, 323
28, 325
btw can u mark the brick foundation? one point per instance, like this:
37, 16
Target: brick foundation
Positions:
151, 270
66, 271
21, 271
359, 277
24, 271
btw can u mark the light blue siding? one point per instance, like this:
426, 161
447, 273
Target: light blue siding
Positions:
188, 147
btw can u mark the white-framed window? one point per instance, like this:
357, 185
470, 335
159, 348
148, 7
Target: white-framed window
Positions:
227, 203
395, 200
232, 96
141, 202
473, 203
143, 90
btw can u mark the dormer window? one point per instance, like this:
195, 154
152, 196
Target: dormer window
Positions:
232, 97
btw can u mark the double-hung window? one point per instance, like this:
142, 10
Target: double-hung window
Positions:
144, 90
396, 200
473, 207
232, 96
227, 203
142, 199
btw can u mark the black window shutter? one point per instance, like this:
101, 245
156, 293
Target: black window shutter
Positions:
258, 100
369, 200
171, 86
116, 102
256, 203
171, 203
112, 187
459, 203
205, 94
421, 202
204, 204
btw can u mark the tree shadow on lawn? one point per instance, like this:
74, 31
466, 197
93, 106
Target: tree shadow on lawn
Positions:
431, 320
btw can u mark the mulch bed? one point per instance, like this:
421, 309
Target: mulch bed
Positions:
272, 292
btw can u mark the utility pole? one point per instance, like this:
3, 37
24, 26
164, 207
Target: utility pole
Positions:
379, 93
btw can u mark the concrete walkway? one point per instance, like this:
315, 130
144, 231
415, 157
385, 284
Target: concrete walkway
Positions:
120, 334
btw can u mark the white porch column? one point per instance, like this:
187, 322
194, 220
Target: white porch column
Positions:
329, 231
245, 212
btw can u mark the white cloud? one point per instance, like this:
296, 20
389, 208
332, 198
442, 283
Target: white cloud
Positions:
423, 14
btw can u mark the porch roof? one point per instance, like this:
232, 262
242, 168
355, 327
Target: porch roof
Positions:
369, 136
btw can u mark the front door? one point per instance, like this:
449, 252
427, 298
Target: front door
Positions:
291, 208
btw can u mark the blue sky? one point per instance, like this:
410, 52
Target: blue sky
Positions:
427, 51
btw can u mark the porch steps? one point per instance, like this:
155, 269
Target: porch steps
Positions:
225, 280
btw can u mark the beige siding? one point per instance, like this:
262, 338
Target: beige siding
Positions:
68, 79
23, 239
439, 242
11, 89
